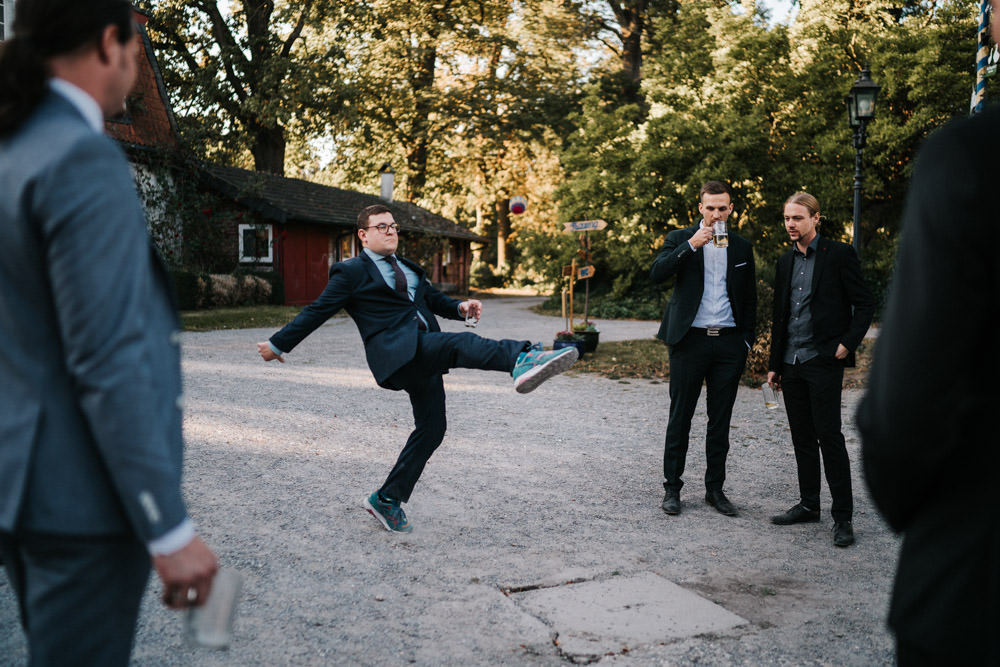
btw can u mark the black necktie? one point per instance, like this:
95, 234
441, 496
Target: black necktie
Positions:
400, 276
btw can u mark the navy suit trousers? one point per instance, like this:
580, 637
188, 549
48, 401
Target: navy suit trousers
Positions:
79, 596
421, 379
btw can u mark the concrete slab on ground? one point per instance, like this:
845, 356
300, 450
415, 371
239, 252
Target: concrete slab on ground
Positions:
597, 618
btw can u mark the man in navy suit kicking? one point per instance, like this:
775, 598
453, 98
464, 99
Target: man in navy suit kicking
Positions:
394, 304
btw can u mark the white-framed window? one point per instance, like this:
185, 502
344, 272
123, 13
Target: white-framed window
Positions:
6, 19
256, 243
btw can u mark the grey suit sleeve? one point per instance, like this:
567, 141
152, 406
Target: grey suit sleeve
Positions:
117, 327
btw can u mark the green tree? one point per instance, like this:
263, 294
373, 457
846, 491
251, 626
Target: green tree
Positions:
763, 108
241, 73
466, 101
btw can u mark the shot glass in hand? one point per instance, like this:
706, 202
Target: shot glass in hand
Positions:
470, 319
211, 625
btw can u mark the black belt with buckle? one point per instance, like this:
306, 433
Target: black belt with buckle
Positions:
715, 331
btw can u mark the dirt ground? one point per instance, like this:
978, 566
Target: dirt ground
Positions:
561, 485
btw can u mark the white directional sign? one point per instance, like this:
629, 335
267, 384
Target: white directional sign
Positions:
584, 226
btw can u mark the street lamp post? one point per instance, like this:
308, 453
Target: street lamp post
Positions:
860, 111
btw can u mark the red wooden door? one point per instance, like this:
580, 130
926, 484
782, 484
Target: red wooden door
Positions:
306, 263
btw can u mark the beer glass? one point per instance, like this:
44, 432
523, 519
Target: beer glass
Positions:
720, 236
770, 396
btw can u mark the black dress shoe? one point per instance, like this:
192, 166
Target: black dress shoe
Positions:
797, 514
718, 500
843, 534
672, 502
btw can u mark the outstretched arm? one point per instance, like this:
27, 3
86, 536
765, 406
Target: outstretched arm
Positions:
334, 297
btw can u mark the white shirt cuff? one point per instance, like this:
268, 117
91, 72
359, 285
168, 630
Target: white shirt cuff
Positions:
173, 540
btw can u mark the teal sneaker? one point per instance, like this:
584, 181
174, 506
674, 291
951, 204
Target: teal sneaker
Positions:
389, 514
536, 366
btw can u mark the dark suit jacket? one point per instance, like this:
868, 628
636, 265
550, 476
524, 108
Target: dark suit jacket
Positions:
90, 428
929, 436
687, 267
386, 320
841, 304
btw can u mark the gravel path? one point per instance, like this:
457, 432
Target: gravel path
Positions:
560, 485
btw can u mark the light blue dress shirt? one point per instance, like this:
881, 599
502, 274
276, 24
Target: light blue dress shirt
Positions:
385, 268
715, 309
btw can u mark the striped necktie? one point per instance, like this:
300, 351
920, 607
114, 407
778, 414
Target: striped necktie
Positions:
400, 276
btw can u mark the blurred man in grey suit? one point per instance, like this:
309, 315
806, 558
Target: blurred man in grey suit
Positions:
90, 431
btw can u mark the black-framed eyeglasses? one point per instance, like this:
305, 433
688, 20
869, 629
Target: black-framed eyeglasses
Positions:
385, 227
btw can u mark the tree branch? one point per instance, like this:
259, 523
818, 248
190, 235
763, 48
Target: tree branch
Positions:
229, 50
176, 44
297, 31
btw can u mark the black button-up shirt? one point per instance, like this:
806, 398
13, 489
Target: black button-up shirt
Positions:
800, 334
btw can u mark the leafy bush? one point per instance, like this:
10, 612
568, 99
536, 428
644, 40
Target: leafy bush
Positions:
277, 286
185, 288
760, 354
217, 290
629, 308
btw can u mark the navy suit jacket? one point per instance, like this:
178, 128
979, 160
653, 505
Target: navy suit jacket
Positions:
841, 305
90, 430
386, 320
687, 267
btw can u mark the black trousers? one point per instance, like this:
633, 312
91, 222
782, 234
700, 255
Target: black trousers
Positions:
812, 400
78, 596
910, 655
421, 379
718, 362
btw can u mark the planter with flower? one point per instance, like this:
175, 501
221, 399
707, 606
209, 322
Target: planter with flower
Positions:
590, 334
567, 338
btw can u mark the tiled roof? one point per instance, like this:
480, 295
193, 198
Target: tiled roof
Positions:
294, 200
149, 122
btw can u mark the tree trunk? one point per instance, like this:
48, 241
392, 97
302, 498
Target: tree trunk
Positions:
631, 18
632, 45
416, 162
503, 231
477, 254
268, 149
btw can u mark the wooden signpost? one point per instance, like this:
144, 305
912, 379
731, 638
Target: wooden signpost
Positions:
582, 273
584, 226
